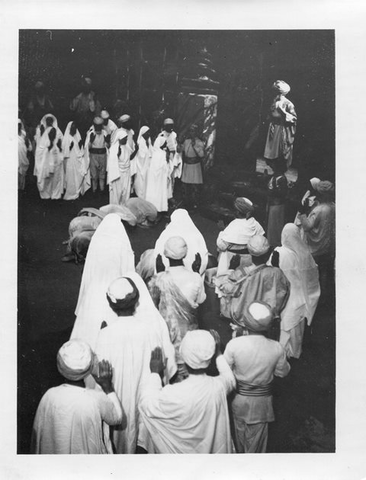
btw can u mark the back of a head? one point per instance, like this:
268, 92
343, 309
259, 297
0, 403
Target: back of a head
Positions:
175, 248
259, 249
75, 360
122, 296
258, 317
197, 349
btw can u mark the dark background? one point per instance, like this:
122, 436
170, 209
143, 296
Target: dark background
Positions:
145, 71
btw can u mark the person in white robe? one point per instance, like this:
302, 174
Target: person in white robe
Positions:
297, 263
71, 419
118, 169
109, 256
130, 331
125, 125
191, 416
24, 146
167, 140
141, 162
48, 164
157, 177
254, 360
181, 225
145, 212
233, 240
77, 173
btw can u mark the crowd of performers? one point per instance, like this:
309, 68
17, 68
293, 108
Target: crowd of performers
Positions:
144, 370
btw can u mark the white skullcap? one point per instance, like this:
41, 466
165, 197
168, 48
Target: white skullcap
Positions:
258, 245
98, 121
197, 348
258, 317
124, 118
282, 87
104, 114
175, 248
119, 289
88, 80
75, 360
168, 121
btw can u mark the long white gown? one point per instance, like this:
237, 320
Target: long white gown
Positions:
48, 163
127, 342
118, 170
109, 256
141, 163
77, 174
157, 178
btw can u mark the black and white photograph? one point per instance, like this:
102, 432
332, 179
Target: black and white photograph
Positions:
181, 271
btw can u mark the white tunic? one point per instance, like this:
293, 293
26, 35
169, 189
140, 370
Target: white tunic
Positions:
69, 421
190, 416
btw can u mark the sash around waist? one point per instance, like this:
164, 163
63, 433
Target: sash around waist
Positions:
251, 390
192, 160
99, 151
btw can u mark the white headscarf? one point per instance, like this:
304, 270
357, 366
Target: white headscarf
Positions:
301, 270
68, 138
141, 142
75, 360
181, 225
109, 256
114, 162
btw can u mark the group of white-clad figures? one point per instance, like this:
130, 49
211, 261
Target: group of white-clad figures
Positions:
66, 166
142, 360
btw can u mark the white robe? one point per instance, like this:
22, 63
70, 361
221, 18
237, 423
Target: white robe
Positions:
69, 421
109, 256
141, 163
175, 163
48, 164
23, 162
77, 174
190, 416
157, 178
118, 171
127, 343
181, 225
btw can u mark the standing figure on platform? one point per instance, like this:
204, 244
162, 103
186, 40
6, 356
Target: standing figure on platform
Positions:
282, 127
48, 165
96, 145
142, 161
277, 189
193, 153
77, 175
86, 107
24, 146
118, 169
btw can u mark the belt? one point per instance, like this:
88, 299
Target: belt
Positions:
192, 160
241, 251
99, 151
251, 390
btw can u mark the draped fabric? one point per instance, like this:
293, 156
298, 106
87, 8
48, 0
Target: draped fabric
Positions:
127, 343
118, 170
23, 162
301, 270
109, 256
157, 178
142, 162
77, 174
48, 164
181, 225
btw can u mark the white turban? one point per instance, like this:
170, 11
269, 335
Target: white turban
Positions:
124, 118
258, 245
175, 248
104, 114
75, 360
314, 182
197, 349
282, 87
258, 317
98, 121
168, 121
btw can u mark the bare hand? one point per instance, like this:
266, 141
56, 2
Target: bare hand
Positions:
104, 376
156, 361
196, 265
160, 267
